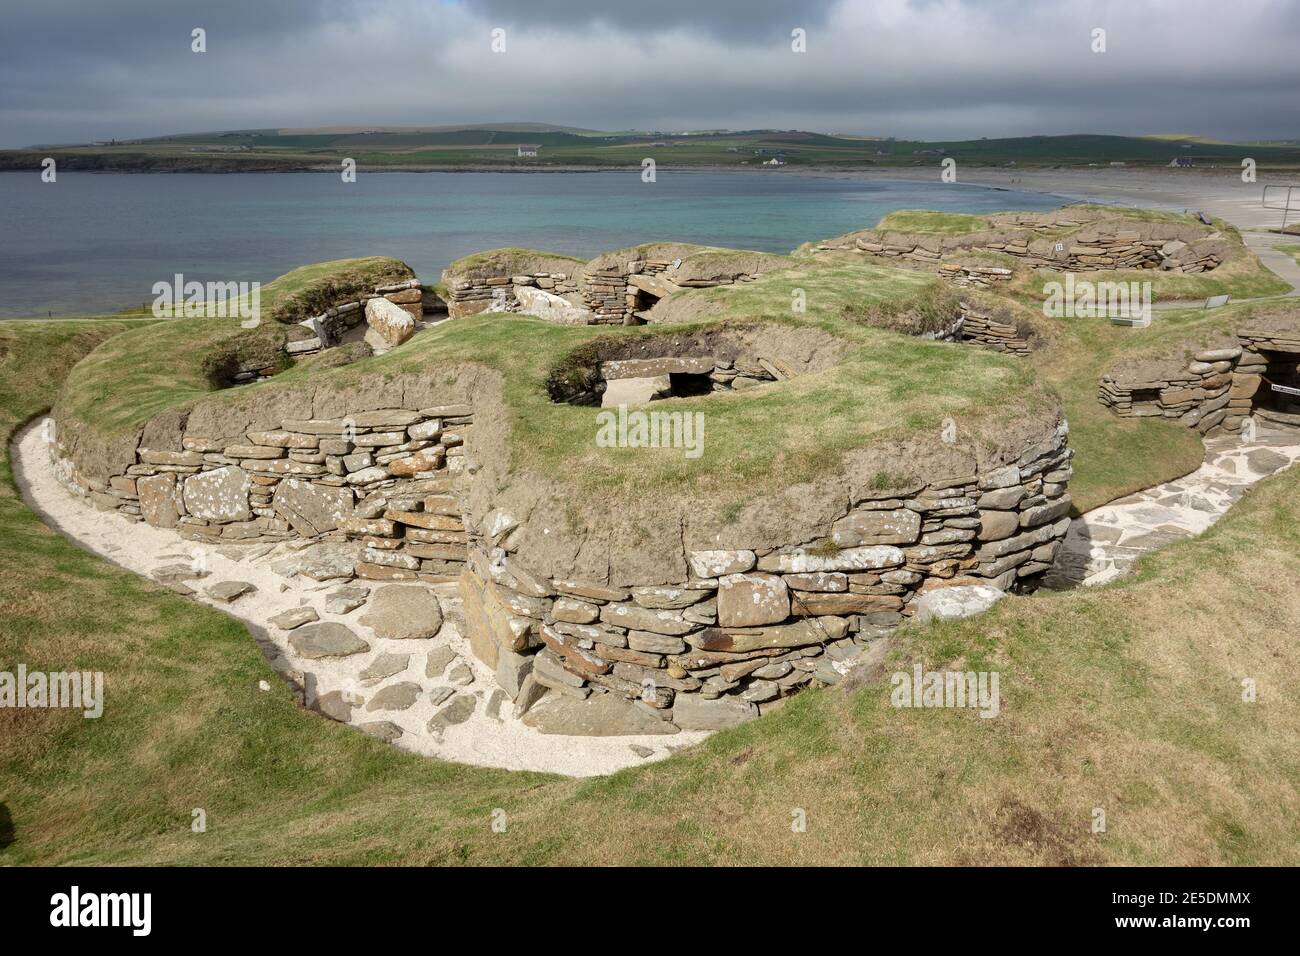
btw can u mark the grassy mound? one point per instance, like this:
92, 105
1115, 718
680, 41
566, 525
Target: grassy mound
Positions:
930, 221
1241, 275
509, 261
887, 386
310, 290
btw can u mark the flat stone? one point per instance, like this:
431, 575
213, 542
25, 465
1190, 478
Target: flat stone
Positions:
461, 674
458, 711
328, 639
667, 598
220, 495
749, 600
646, 619
693, 712
227, 591
601, 715
573, 611
963, 600
898, 526
385, 665
761, 691
336, 603
403, 612
173, 573
311, 509
384, 730
390, 325
818, 581
656, 367
803, 633
996, 525
335, 705
802, 561
635, 391
440, 694
438, 660
714, 564
158, 500
512, 670
1264, 461
399, 696
294, 617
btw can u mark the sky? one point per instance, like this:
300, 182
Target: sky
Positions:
84, 70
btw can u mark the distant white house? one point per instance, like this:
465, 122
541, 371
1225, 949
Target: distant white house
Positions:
529, 149
775, 162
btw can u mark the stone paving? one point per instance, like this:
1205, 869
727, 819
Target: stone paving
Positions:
1102, 544
390, 659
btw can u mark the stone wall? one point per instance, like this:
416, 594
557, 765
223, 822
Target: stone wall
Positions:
1195, 393
469, 296
615, 288
1213, 388
1100, 245
750, 626
381, 482
974, 276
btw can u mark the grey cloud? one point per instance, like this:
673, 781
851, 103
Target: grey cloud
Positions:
76, 70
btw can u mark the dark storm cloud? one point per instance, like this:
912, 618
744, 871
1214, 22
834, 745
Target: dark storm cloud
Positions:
78, 70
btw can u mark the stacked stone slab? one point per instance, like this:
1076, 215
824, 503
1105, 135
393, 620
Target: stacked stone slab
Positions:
1247, 374
331, 325
1104, 244
1212, 388
981, 326
469, 296
385, 480
611, 287
619, 283
749, 626
974, 276
1195, 393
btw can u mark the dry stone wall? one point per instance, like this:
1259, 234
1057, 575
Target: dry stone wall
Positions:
1095, 245
615, 288
1195, 393
382, 483
1216, 388
390, 494
749, 626
469, 296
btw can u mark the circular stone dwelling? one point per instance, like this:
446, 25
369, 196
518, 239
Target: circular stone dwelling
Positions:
685, 520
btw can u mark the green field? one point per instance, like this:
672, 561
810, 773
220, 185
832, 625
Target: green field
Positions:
482, 147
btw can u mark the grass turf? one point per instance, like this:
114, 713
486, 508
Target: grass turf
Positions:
1126, 698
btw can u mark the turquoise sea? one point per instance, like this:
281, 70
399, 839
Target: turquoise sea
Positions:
97, 242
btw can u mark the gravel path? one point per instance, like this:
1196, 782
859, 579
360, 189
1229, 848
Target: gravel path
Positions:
429, 695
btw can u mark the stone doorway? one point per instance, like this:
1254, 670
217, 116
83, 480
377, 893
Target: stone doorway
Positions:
1278, 397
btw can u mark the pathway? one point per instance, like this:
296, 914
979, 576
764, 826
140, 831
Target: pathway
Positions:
421, 689
1103, 543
